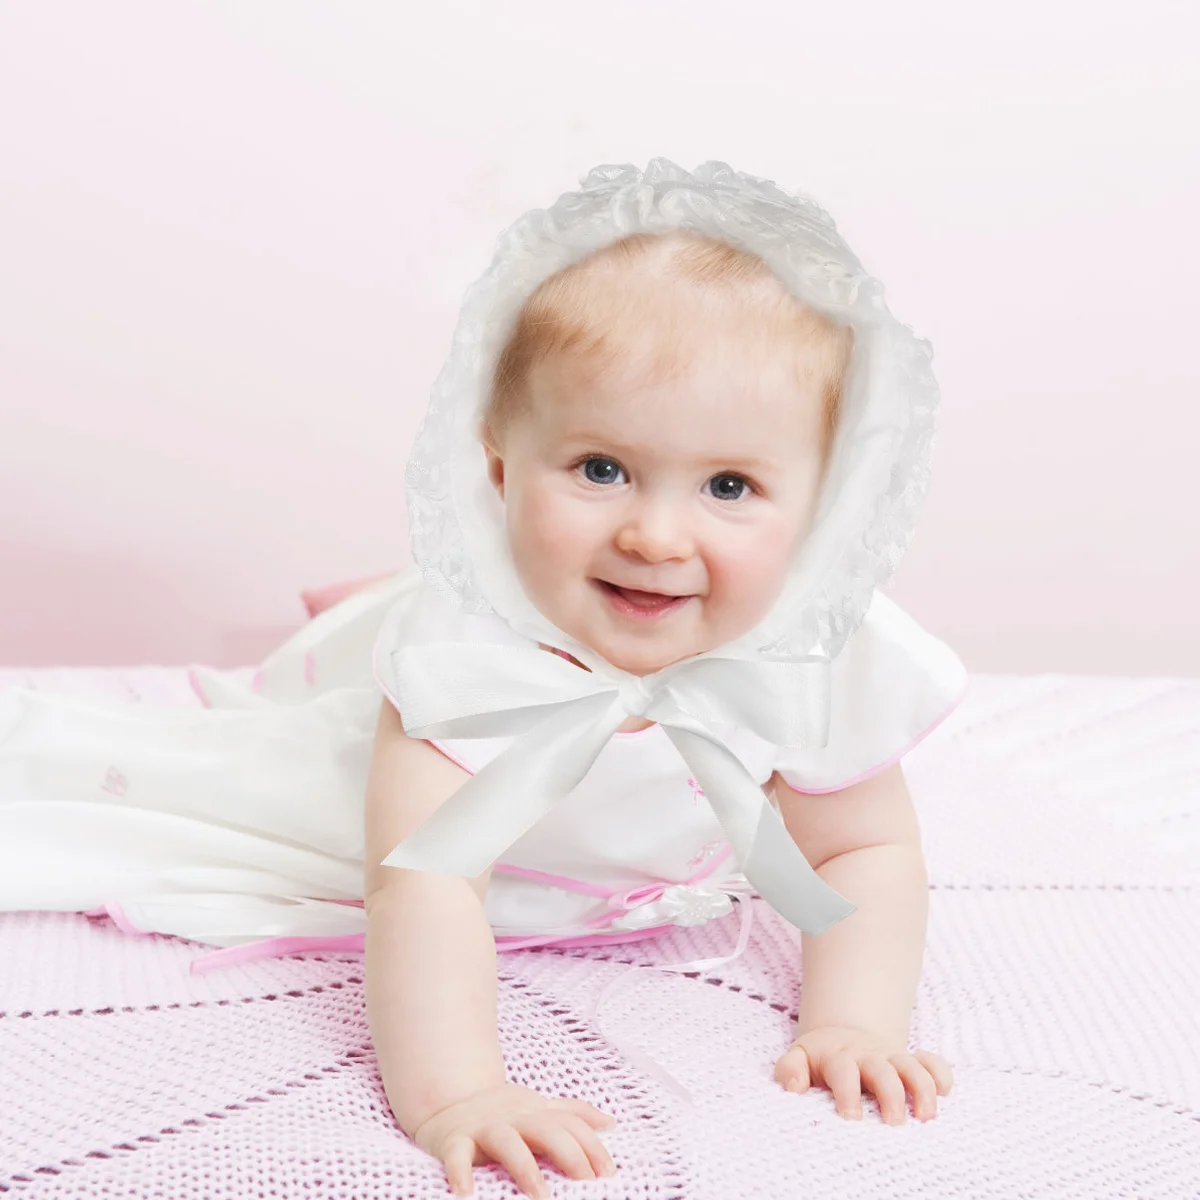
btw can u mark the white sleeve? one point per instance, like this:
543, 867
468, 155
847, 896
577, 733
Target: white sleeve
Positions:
472, 754
892, 685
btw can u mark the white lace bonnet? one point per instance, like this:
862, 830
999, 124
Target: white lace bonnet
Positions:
880, 463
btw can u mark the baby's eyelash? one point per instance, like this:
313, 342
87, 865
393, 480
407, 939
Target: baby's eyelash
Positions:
587, 458
750, 484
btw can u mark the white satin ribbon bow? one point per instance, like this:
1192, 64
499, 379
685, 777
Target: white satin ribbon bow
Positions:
562, 716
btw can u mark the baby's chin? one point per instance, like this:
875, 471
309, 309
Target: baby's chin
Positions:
647, 655
647, 662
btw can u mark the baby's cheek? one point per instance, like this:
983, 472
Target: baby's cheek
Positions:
547, 542
752, 572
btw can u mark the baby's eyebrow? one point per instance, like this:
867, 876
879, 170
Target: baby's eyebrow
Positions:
741, 463
598, 437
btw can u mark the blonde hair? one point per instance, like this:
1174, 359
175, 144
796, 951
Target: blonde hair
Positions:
622, 304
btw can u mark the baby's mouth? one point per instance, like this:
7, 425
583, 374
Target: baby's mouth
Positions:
634, 601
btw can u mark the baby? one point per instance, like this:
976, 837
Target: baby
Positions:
658, 431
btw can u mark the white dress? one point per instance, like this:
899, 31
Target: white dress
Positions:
243, 820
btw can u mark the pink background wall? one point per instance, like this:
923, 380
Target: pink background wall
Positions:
233, 239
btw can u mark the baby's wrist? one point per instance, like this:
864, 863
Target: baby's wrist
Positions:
415, 1110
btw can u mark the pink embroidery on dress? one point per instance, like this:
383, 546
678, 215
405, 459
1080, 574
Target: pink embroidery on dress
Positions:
697, 790
114, 782
707, 852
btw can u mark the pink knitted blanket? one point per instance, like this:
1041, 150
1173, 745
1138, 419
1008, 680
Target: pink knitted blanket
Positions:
1059, 816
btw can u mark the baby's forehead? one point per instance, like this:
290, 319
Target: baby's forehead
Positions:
718, 360
636, 325
703, 408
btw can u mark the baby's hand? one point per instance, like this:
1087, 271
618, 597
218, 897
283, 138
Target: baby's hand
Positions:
507, 1124
835, 1056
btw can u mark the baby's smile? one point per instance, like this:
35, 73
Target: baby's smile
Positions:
641, 605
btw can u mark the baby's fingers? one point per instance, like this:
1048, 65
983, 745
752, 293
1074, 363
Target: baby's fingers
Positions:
581, 1108
549, 1134
938, 1067
593, 1147
920, 1083
459, 1157
842, 1079
884, 1080
504, 1144
792, 1070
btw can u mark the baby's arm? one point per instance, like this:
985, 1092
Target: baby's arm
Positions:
431, 994
861, 975
431, 960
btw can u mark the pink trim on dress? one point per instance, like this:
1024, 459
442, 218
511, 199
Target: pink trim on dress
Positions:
118, 916
355, 943
891, 762
562, 881
458, 762
233, 956
505, 943
619, 902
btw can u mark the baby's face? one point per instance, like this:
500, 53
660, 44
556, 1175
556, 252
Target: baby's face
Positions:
655, 521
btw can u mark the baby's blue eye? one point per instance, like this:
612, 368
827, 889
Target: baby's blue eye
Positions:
727, 487
601, 470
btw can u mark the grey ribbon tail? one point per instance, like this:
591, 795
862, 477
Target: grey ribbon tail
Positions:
767, 855
786, 880
475, 825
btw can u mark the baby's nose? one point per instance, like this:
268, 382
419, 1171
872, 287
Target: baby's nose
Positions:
657, 533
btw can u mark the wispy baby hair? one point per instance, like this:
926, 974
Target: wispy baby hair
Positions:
635, 303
